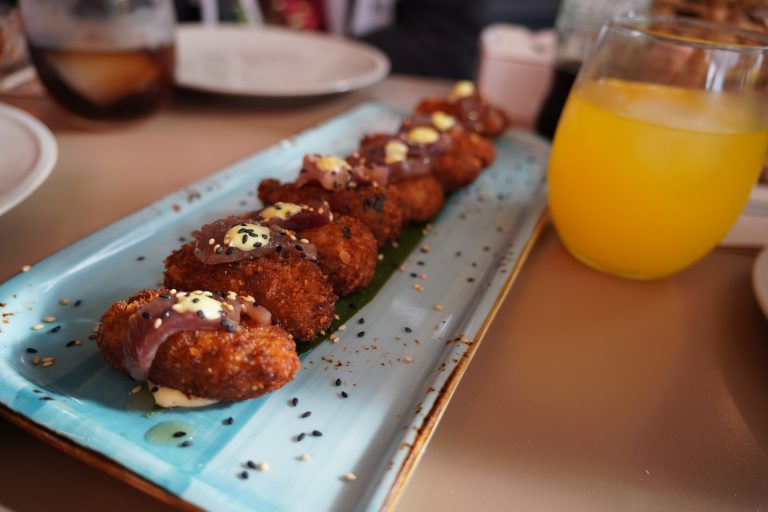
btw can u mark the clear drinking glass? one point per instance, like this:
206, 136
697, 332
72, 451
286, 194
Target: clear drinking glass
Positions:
660, 142
102, 59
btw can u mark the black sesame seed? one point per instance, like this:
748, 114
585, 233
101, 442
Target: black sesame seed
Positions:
31, 350
474, 264
200, 313
146, 315
244, 239
195, 300
186, 444
230, 250
257, 244
420, 263
56, 329
182, 239
352, 305
36, 391
344, 394
414, 274
243, 230
228, 421
295, 401
154, 389
165, 314
219, 250
306, 414
77, 303
338, 382
407, 329
278, 248
299, 247
251, 464
46, 398
264, 236
470, 279
317, 433
71, 343
244, 475
140, 258
179, 433
486, 248
361, 321
361, 334
458, 253
300, 437
164, 296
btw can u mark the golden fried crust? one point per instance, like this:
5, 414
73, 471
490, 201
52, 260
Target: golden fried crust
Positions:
272, 191
294, 290
494, 121
347, 253
462, 163
423, 195
381, 209
210, 364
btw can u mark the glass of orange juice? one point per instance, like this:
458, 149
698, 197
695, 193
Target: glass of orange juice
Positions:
662, 138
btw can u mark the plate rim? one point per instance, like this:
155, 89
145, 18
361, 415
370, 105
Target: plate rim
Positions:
47, 155
380, 59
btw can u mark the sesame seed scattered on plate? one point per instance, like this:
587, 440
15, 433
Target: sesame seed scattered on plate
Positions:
38, 327
26, 268
63, 301
408, 359
350, 477
305, 456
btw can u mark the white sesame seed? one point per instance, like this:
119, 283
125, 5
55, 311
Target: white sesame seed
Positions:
402, 268
135, 389
63, 301
262, 466
305, 456
49, 319
26, 268
46, 364
381, 256
158, 323
350, 477
438, 307
342, 327
408, 359
211, 241
47, 359
37, 327
35, 360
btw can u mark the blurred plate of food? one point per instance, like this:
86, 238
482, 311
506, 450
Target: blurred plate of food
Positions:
273, 62
28, 152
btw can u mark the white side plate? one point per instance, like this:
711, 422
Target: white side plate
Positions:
28, 152
273, 62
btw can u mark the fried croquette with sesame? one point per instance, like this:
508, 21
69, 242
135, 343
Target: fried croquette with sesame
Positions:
212, 364
293, 289
381, 209
346, 252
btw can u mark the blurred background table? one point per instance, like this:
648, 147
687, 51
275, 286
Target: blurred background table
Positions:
588, 393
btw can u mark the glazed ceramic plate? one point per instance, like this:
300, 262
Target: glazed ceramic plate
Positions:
398, 360
760, 280
28, 152
273, 62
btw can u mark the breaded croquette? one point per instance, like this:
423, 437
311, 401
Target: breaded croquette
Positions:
235, 362
292, 288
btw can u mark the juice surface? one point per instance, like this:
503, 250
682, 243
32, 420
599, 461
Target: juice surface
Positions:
646, 179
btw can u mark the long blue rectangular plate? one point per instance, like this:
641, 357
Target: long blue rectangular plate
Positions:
399, 359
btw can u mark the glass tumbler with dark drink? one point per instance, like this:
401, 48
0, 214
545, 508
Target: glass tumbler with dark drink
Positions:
104, 60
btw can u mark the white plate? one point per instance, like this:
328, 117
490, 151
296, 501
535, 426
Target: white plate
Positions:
760, 280
273, 62
28, 152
